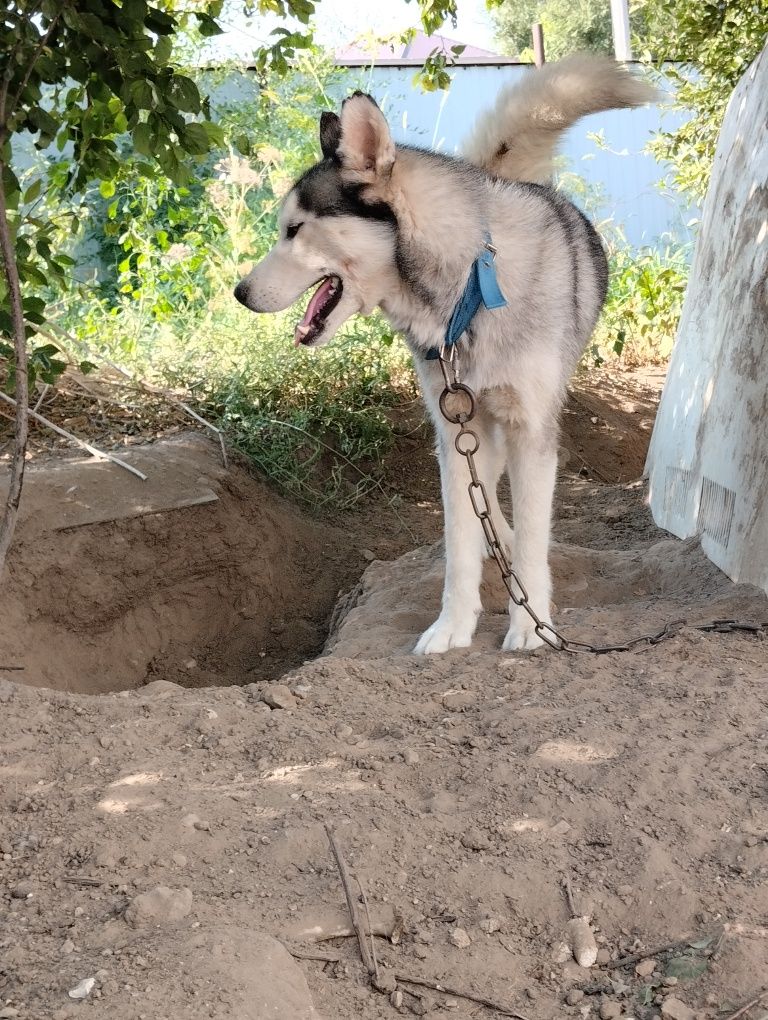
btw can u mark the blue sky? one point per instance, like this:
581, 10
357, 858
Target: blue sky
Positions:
340, 21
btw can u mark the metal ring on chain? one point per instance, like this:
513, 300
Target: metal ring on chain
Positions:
470, 451
460, 417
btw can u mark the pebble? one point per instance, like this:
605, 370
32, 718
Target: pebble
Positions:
457, 701
159, 906
460, 939
68, 946
83, 990
603, 956
645, 968
489, 925
474, 839
411, 757
674, 1009
396, 998
574, 996
179, 860
610, 1010
8, 1012
278, 696
22, 891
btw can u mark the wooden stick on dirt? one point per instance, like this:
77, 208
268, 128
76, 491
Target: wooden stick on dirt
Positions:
301, 954
628, 961
11, 668
438, 986
141, 383
365, 950
94, 452
749, 1005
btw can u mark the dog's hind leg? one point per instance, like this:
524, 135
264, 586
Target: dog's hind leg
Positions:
464, 539
532, 463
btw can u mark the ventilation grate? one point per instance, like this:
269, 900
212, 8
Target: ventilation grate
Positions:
677, 491
716, 511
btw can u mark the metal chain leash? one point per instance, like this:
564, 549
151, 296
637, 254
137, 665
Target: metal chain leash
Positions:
467, 444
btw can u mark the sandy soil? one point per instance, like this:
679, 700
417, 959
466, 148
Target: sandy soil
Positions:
162, 811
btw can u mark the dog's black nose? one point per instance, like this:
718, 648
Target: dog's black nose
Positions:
241, 293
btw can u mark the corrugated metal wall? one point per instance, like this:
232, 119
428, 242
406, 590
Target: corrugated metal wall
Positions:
622, 179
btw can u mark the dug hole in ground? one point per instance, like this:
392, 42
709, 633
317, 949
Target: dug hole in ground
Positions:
196, 704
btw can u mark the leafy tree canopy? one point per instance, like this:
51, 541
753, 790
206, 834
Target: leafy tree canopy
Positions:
718, 40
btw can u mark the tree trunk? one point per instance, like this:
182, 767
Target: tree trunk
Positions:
8, 523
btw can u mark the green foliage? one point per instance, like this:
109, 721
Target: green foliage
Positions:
642, 310
568, 25
80, 76
316, 422
717, 41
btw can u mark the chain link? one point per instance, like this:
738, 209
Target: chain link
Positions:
467, 444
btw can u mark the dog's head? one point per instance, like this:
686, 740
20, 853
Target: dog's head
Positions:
337, 228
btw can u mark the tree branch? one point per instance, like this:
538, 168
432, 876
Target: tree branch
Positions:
8, 523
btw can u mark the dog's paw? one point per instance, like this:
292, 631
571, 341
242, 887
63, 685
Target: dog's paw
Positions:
445, 634
521, 639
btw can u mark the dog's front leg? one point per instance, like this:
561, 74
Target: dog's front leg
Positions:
464, 547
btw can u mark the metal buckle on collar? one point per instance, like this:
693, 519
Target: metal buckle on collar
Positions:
491, 248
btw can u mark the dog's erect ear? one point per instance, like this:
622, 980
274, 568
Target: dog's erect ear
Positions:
366, 150
330, 134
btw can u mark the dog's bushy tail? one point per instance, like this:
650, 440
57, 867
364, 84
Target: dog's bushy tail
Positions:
517, 138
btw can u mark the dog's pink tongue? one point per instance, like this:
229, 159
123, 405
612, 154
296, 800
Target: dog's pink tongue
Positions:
315, 301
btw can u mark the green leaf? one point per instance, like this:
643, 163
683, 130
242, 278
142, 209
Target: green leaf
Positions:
142, 139
107, 189
207, 26
686, 967
33, 190
86, 367
183, 94
195, 139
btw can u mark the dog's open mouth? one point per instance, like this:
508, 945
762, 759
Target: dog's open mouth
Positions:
320, 306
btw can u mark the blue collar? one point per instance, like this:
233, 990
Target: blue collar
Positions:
482, 288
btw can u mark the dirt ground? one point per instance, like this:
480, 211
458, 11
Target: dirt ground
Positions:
192, 712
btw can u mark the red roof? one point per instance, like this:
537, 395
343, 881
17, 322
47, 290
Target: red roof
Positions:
415, 52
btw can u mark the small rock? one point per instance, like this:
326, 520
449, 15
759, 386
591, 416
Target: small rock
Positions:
460, 939
68, 946
457, 701
179, 860
562, 828
561, 952
83, 990
669, 982
23, 891
411, 757
645, 968
368, 555
201, 825
603, 956
8, 1012
474, 839
159, 906
674, 1009
574, 996
489, 925
609, 1010
106, 742
278, 696
396, 998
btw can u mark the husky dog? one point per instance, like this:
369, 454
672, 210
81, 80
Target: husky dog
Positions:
391, 226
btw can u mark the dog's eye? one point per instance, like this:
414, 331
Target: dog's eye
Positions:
293, 230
